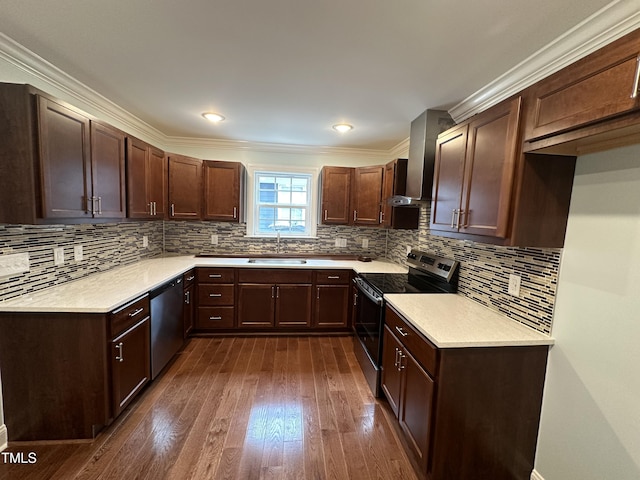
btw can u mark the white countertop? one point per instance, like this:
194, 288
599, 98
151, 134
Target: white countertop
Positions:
451, 321
105, 291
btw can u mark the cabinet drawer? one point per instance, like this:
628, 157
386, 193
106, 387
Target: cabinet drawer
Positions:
189, 278
215, 317
215, 275
127, 315
332, 277
421, 348
215, 295
273, 275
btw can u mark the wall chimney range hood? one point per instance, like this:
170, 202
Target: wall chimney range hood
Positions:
422, 154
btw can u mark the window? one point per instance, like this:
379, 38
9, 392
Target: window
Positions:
283, 203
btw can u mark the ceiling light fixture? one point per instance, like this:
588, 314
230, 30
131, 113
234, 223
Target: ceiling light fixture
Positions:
213, 117
342, 127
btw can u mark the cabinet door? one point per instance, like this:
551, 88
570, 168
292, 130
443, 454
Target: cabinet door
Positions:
293, 305
157, 182
391, 379
336, 195
222, 189
64, 161
448, 177
367, 195
388, 183
416, 407
130, 364
599, 86
138, 205
256, 305
185, 188
489, 170
107, 170
332, 306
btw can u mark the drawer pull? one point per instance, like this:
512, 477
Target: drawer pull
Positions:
190, 278
120, 356
395, 362
634, 94
215, 318
401, 331
400, 365
215, 275
136, 312
215, 294
334, 277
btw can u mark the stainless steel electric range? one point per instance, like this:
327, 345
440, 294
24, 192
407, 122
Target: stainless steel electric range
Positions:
428, 273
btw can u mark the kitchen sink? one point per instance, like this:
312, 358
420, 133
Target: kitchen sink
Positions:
278, 261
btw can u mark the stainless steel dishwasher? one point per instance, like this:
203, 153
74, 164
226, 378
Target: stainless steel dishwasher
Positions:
167, 330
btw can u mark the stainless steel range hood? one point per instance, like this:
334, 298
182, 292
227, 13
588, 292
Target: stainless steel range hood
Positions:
422, 154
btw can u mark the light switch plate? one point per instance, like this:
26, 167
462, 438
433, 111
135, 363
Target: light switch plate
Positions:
343, 242
78, 253
13, 264
514, 285
214, 239
145, 241
365, 243
58, 256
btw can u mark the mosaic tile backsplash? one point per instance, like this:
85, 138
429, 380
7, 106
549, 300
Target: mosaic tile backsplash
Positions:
104, 246
484, 269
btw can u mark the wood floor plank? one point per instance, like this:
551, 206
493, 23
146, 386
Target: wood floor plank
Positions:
248, 408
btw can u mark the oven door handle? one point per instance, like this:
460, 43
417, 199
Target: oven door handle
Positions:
360, 284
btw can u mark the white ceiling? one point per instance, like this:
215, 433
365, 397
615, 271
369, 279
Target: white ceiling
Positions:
285, 71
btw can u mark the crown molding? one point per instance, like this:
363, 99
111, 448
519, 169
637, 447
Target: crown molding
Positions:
49, 75
401, 150
603, 27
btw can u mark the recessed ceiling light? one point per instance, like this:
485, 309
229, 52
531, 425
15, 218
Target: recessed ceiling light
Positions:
213, 117
342, 127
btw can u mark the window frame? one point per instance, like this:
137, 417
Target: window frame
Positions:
281, 170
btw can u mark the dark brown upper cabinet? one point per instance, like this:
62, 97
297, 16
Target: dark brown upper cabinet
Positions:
63, 164
185, 188
394, 182
589, 105
223, 191
146, 181
366, 196
336, 195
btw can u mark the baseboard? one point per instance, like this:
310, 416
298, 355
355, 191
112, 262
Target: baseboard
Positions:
3, 437
536, 476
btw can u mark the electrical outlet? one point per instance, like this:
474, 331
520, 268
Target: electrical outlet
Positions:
214, 239
337, 243
58, 256
365, 243
145, 241
514, 285
343, 242
13, 264
78, 253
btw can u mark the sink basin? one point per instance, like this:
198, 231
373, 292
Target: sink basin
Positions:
278, 261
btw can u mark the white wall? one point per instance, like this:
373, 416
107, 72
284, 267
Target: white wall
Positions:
590, 427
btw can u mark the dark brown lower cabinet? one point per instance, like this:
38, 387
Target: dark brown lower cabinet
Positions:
274, 305
466, 413
332, 306
130, 364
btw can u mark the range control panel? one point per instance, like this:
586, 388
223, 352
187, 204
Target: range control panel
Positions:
428, 262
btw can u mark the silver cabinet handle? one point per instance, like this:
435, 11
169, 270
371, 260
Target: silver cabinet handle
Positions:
99, 205
215, 318
355, 299
187, 297
325, 214
636, 81
235, 212
453, 218
395, 362
460, 213
136, 312
400, 365
401, 331
93, 205
318, 294
215, 295
277, 292
173, 209
120, 356
273, 290
190, 278
380, 217
155, 209
355, 215
334, 277
150, 208
215, 275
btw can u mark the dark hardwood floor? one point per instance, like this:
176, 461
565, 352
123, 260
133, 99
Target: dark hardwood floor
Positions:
240, 408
